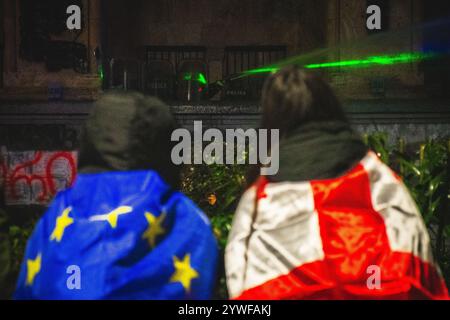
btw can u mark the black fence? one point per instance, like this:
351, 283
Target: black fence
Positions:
241, 58
167, 72
174, 54
238, 59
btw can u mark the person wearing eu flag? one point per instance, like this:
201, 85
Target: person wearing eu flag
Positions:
122, 231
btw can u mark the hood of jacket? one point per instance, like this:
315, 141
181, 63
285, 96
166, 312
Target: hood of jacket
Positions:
319, 150
128, 131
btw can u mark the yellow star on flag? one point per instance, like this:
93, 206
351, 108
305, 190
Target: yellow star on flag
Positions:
112, 216
33, 268
184, 273
62, 222
154, 228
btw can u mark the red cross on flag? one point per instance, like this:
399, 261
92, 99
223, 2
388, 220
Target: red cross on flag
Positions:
359, 236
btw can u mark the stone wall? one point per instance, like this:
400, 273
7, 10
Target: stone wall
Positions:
38, 142
57, 126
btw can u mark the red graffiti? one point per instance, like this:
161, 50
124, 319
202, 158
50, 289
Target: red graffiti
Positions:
46, 178
48, 170
12, 180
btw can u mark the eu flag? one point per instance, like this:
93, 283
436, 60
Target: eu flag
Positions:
120, 235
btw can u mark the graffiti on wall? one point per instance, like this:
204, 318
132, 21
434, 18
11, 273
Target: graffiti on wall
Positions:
34, 177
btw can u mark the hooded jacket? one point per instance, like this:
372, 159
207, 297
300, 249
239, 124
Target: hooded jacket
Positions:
334, 223
122, 231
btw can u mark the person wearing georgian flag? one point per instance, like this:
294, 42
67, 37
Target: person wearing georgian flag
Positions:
334, 222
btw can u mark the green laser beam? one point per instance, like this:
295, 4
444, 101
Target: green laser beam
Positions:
261, 70
187, 76
200, 78
383, 39
358, 63
101, 73
374, 60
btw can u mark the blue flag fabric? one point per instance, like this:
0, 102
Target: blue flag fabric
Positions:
120, 235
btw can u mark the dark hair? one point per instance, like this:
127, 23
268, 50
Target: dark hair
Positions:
129, 131
294, 96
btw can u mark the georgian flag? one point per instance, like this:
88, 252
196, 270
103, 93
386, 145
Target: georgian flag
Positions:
359, 236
